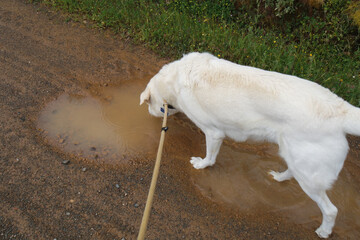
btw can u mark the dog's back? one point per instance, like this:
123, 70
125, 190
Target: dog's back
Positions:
248, 98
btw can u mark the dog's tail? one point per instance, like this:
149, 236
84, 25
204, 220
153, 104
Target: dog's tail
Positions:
352, 121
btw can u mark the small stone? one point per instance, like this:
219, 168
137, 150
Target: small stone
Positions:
117, 185
65, 162
72, 200
83, 169
104, 153
61, 141
67, 214
22, 118
93, 148
136, 205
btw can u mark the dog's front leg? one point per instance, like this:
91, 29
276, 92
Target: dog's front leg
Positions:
213, 143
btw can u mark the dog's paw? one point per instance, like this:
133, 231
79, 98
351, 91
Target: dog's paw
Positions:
280, 176
275, 175
199, 163
322, 233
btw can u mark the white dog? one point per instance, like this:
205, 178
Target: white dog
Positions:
307, 121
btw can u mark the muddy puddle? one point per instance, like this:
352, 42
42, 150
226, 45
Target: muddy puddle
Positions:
109, 128
112, 128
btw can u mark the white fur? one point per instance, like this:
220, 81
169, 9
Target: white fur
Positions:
307, 121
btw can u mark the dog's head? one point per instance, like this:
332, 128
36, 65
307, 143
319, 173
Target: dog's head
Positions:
158, 92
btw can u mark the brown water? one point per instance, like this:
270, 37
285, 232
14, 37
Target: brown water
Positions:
108, 129
112, 128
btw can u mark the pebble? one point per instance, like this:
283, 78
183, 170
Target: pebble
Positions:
104, 153
67, 214
93, 148
117, 185
136, 205
83, 169
65, 162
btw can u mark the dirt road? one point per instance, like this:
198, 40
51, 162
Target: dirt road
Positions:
46, 193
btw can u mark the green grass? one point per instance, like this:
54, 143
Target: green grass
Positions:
322, 48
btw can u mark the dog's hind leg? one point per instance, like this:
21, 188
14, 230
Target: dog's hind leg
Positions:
281, 176
286, 175
328, 210
315, 164
213, 143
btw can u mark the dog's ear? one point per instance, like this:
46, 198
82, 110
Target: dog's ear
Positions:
145, 96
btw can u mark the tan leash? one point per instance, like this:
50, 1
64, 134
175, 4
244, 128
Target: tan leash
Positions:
150, 197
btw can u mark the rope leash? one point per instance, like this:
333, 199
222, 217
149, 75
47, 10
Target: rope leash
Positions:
150, 197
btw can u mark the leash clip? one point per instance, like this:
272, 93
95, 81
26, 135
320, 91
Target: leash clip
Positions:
162, 109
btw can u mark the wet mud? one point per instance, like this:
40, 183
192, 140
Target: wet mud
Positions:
240, 180
77, 150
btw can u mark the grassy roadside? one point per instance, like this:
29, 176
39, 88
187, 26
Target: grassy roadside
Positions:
315, 48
